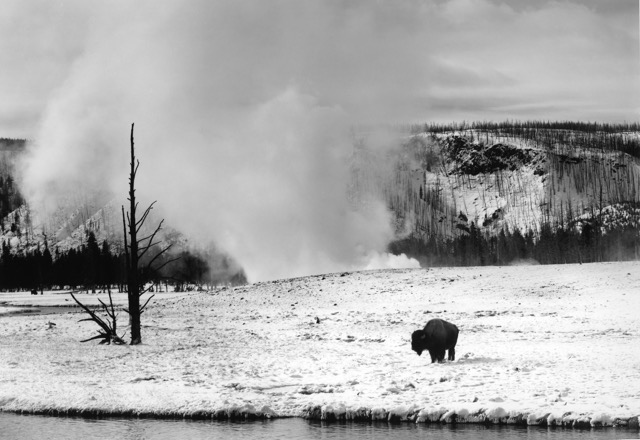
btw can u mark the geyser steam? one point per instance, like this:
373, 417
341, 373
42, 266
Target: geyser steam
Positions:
242, 113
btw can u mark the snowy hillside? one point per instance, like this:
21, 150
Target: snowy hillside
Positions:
463, 195
67, 228
438, 183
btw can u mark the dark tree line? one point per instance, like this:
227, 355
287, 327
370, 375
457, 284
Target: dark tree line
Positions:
190, 266
519, 127
10, 198
551, 245
595, 135
12, 143
95, 267
90, 267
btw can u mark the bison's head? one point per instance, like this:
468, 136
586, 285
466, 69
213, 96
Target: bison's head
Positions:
418, 339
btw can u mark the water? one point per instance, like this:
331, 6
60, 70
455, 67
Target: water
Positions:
9, 310
27, 427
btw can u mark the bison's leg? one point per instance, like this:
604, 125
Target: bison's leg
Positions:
452, 354
441, 355
434, 355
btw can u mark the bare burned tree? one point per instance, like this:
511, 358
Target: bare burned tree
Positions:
136, 250
109, 327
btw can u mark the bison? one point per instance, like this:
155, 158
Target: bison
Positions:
437, 336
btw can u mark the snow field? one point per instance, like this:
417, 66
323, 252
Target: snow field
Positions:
538, 344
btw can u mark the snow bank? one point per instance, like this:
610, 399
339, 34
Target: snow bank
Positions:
539, 345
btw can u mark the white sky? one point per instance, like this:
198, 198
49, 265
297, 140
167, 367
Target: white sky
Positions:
381, 61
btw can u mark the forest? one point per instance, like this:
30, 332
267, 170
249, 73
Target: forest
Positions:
589, 208
10, 197
551, 245
95, 267
603, 136
91, 266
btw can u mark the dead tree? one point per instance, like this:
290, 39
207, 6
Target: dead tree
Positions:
136, 249
109, 327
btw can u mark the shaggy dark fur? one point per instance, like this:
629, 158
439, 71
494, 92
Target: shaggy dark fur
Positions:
437, 336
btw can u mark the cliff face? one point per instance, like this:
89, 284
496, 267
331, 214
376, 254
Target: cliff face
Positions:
439, 184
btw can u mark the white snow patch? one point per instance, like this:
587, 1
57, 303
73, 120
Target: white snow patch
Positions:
601, 419
259, 349
497, 413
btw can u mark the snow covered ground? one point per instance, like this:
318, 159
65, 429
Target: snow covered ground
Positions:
538, 344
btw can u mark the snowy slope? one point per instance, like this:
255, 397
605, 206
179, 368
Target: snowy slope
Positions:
66, 228
538, 344
437, 186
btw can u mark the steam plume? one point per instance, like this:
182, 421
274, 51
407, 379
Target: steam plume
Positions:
241, 129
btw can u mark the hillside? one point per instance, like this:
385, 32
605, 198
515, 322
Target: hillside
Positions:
447, 184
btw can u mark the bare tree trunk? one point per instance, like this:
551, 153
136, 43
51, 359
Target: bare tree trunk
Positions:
132, 269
